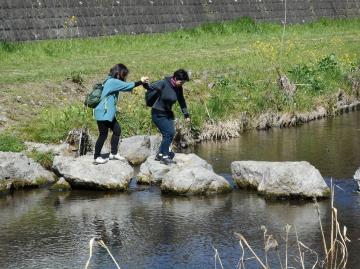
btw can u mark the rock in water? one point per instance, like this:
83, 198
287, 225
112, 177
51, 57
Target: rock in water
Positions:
152, 172
18, 171
280, 179
137, 149
5, 186
357, 179
194, 180
61, 185
82, 173
190, 175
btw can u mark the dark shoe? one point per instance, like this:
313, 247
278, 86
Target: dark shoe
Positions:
167, 161
171, 155
158, 157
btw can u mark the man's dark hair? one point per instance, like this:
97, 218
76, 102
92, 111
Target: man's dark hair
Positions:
119, 71
182, 75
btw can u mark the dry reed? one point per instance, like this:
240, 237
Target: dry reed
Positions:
335, 251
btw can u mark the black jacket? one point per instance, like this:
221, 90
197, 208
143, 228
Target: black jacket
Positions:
168, 97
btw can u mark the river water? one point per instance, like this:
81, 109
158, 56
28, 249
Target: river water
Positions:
144, 229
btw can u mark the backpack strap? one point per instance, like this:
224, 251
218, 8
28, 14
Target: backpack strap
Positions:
104, 98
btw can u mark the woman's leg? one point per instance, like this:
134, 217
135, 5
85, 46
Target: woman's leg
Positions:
166, 127
116, 129
103, 133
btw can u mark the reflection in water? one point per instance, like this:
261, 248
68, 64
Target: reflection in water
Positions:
332, 146
40, 229
147, 230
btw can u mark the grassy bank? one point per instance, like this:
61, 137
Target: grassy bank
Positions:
233, 67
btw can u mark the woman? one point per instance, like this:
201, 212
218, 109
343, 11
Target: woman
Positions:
171, 90
106, 110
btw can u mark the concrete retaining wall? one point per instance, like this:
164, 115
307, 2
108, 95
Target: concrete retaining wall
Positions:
51, 19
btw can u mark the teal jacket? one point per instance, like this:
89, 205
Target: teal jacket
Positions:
106, 109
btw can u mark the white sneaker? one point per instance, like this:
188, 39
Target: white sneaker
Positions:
117, 157
100, 160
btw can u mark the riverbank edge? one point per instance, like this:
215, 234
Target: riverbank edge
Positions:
234, 128
187, 137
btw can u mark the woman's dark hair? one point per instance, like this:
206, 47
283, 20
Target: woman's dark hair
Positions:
119, 71
182, 75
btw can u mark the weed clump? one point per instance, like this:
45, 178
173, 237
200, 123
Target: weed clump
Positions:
45, 159
10, 143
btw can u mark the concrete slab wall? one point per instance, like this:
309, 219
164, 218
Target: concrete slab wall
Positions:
53, 19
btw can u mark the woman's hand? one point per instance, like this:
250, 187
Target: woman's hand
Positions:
145, 80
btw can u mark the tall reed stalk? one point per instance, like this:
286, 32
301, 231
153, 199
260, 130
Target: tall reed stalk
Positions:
335, 251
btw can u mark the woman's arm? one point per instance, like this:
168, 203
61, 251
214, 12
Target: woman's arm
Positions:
117, 85
182, 103
122, 86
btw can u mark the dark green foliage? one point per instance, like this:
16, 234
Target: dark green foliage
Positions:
8, 47
319, 76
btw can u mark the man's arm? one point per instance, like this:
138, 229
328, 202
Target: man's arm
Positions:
157, 85
182, 104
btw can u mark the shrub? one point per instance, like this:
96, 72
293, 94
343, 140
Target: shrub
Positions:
319, 76
329, 63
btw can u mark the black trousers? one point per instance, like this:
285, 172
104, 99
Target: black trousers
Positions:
166, 126
104, 127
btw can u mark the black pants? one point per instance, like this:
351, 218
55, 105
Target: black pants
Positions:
166, 126
104, 127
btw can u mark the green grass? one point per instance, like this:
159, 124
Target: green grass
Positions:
46, 159
239, 58
54, 124
10, 143
213, 48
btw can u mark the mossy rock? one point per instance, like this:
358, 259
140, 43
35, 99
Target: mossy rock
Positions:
61, 185
23, 172
18, 184
5, 186
28, 184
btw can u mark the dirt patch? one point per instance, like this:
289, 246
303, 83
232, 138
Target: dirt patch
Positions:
19, 102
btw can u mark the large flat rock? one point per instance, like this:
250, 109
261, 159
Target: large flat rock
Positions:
189, 176
280, 179
137, 149
82, 173
153, 172
18, 171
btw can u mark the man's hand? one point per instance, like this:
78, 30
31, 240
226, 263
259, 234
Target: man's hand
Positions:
187, 120
145, 80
